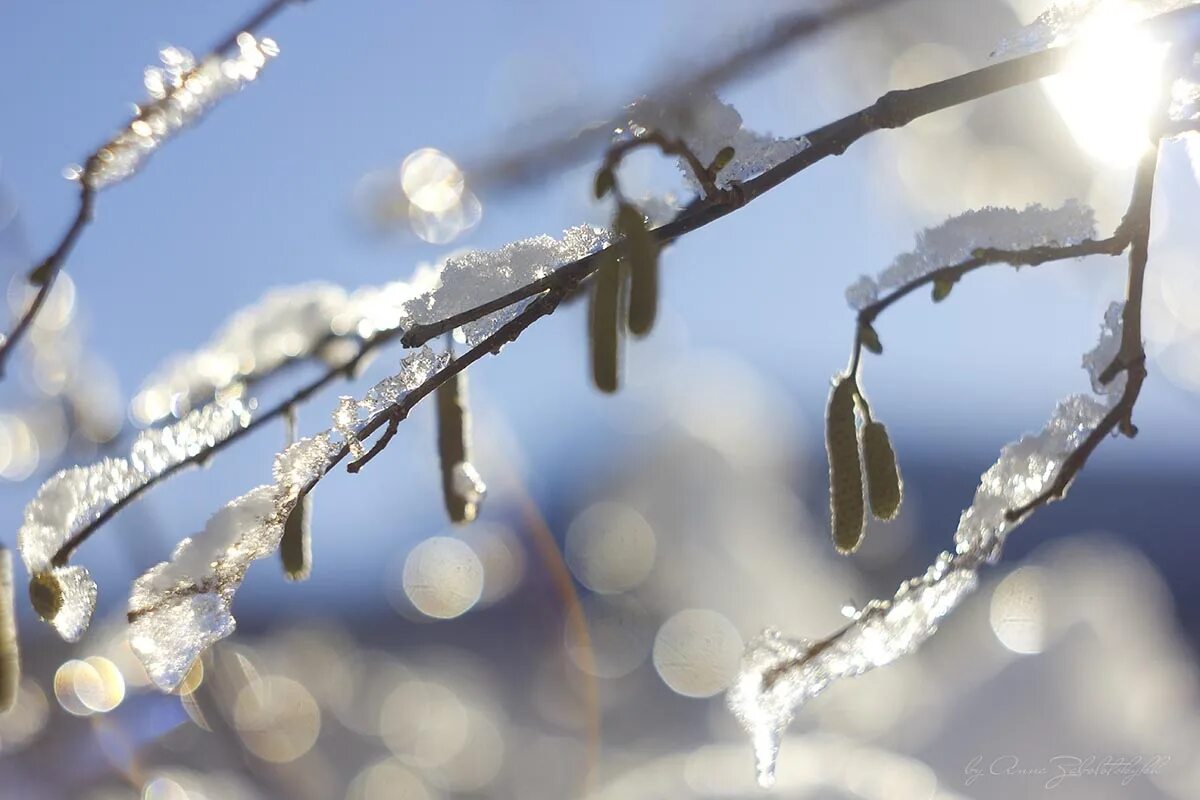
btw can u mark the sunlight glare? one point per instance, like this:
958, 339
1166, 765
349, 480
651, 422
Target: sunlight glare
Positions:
1111, 85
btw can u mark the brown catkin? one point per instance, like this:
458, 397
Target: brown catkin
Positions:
454, 432
295, 548
641, 253
10, 659
45, 595
604, 326
643, 297
847, 514
883, 476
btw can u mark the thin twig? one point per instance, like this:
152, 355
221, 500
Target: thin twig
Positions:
48, 271
1131, 355
893, 110
281, 409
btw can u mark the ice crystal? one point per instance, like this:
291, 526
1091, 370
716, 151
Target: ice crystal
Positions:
285, 324
78, 601
956, 239
180, 92
74, 498
706, 125
303, 321
348, 416
467, 483
779, 675
1058, 24
182, 606
470, 279
1098, 358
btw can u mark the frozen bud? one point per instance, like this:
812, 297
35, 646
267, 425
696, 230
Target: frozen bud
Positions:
46, 595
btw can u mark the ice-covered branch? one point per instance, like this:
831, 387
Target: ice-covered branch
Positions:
181, 607
893, 110
780, 675
179, 94
1114, 357
75, 503
488, 299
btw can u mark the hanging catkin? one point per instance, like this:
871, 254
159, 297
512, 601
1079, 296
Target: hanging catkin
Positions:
604, 326
295, 548
454, 432
641, 252
10, 659
847, 514
883, 476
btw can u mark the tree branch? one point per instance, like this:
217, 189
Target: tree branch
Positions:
281, 409
893, 110
47, 271
1131, 356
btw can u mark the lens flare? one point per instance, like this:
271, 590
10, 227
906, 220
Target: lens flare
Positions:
1111, 85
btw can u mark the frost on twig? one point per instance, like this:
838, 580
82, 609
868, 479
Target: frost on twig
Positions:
707, 125
75, 498
298, 322
468, 280
779, 675
180, 607
957, 239
179, 93
285, 325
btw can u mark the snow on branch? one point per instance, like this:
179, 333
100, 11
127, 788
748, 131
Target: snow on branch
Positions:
304, 321
706, 125
960, 238
489, 299
72, 504
78, 497
182, 606
779, 675
180, 93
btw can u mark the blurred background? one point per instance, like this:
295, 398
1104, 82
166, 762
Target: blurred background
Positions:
666, 525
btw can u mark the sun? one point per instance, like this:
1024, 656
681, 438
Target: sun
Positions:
1111, 85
